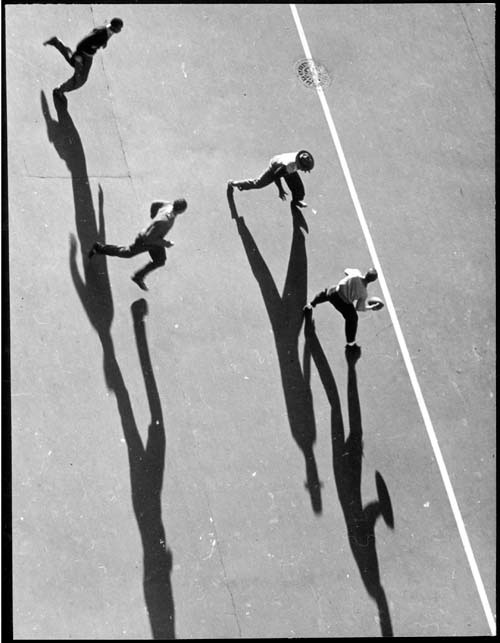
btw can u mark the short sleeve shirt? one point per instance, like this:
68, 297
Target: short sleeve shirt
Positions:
352, 287
286, 160
162, 224
97, 38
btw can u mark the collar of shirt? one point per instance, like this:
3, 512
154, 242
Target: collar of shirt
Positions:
287, 160
353, 272
109, 31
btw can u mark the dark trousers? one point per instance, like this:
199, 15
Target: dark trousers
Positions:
80, 62
157, 253
293, 181
348, 312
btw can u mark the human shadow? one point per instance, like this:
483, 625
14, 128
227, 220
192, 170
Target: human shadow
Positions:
347, 466
146, 473
285, 315
94, 292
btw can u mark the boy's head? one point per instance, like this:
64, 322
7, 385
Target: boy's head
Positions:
371, 275
116, 25
304, 161
179, 206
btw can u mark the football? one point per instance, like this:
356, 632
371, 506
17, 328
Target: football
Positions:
379, 304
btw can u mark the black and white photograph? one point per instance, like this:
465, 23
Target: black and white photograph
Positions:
248, 321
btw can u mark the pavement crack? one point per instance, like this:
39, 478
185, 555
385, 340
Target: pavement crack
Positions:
115, 120
221, 559
477, 51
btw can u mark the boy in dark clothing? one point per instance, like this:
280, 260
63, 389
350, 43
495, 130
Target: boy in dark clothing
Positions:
151, 239
81, 58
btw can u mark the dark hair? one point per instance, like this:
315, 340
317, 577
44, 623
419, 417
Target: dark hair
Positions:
304, 160
371, 275
180, 205
117, 22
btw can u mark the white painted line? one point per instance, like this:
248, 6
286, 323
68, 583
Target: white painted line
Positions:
402, 343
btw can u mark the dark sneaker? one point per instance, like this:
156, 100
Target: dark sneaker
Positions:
139, 282
93, 250
300, 204
50, 41
352, 353
384, 501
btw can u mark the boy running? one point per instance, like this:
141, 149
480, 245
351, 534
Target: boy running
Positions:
81, 59
151, 239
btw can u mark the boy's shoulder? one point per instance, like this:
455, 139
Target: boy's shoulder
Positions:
156, 206
284, 157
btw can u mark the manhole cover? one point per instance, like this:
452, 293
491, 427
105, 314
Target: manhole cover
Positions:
312, 73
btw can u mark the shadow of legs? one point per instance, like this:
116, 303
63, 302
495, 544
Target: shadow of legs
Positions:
94, 292
285, 315
347, 456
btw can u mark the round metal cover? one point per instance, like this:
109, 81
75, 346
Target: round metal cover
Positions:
312, 73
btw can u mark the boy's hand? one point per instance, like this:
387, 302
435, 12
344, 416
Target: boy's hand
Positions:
169, 244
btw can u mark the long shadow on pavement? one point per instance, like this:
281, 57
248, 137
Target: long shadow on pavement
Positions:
285, 315
347, 464
94, 291
146, 471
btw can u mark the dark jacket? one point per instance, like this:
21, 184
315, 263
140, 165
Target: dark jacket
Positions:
96, 39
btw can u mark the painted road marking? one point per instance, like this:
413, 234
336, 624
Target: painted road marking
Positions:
399, 334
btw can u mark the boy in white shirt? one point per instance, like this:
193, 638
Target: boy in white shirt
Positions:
349, 296
282, 166
150, 239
